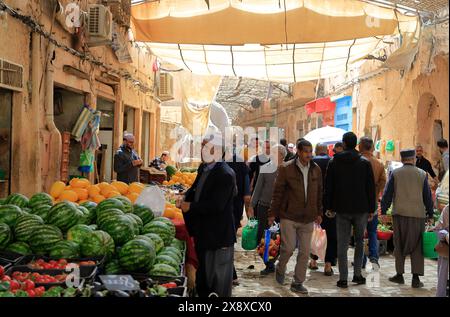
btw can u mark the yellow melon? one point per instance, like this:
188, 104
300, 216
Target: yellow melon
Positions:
81, 183
132, 197
83, 201
106, 189
121, 187
69, 195
136, 188
93, 190
112, 193
102, 185
57, 188
98, 199
82, 193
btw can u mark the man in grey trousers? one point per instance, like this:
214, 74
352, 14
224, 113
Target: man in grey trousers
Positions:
350, 195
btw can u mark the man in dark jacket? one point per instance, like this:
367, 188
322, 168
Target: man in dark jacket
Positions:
243, 196
208, 213
328, 224
350, 195
258, 160
127, 161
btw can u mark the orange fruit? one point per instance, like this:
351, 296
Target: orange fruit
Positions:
102, 185
132, 197
112, 194
69, 195
57, 188
136, 188
121, 187
93, 190
165, 182
82, 193
82, 201
81, 183
99, 198
106, 189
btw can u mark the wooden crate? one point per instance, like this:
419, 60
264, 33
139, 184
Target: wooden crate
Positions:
147, 175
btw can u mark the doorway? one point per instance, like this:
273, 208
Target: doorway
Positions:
145, 142
5, 141
106, 135
128, 119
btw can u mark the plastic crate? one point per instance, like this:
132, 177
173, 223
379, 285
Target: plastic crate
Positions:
21, 268
180, 291
86, 271
11, 257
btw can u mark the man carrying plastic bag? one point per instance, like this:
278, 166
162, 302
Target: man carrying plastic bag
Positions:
297, 200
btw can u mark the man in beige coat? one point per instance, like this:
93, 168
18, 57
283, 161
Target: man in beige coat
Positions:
366, 149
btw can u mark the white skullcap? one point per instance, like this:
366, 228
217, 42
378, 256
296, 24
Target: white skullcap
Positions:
291, 145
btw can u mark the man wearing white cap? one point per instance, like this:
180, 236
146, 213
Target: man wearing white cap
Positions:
208, 213
160, 163
127, 161
290, 152
410, 195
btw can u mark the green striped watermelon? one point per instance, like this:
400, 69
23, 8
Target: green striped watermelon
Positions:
9, 214
85, 219
146, 238
145, 213
93, 227
2, 201
110, 203
168, 222
26, 210
19, 247
166, 259
180, 245
113, 267
162, 269
159, 243
78, 232
174, 252
92, 207
25, 226
65, 249
5, 235
162, 229
17, 199
105, 214
44, 238
40, 199
120, 228
127, 204
97, 243
137, 223
41, 211
137, 256
64, 215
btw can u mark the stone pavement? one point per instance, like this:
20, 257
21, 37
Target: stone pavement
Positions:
319, 285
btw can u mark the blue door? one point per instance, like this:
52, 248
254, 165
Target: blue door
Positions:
343, 113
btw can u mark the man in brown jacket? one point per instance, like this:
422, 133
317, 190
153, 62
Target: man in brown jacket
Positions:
366, 149
297, 201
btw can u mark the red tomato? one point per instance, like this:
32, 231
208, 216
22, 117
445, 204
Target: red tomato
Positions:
31, 293
39, 291
6, 278
2, 271
14, 285
29, 284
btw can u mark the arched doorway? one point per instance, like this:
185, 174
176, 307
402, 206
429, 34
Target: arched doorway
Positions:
429, 126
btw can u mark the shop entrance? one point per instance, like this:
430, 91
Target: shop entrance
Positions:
106, 136
5, 141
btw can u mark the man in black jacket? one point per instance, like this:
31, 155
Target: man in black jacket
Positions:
208, 213
350, 195
127, 161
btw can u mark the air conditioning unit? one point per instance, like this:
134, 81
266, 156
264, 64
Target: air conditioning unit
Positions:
11, 75
99, 25
165, 91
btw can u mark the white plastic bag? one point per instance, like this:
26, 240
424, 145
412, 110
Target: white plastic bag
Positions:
319, 242
153, 198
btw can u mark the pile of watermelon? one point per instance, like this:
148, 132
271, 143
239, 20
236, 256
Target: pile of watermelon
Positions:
128, 236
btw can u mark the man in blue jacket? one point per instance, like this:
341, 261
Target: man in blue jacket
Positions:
208, 213
127, 161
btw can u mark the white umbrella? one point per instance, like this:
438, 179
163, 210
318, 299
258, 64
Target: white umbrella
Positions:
327, 135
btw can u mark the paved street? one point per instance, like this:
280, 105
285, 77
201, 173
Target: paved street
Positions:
319, 285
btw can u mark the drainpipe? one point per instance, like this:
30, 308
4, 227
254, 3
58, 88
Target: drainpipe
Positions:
55, 142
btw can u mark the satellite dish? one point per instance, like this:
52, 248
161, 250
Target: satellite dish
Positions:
256, 103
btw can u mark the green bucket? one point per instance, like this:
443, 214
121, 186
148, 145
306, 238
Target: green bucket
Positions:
429, 241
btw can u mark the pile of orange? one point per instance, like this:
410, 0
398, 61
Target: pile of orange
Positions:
183, 178
80, 190
172, 212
